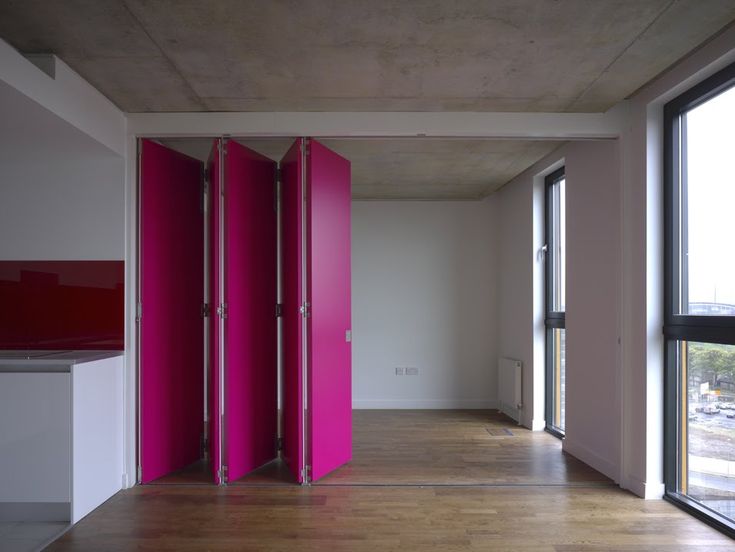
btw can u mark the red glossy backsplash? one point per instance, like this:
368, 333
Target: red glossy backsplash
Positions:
62, 305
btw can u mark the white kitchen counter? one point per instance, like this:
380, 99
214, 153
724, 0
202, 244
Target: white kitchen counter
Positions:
61, 433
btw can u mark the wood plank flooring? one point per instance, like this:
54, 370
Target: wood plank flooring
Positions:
454, 447
420, 480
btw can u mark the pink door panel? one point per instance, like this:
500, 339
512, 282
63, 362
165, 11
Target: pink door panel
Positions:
330, 352
171, 327
293, 337
251, 378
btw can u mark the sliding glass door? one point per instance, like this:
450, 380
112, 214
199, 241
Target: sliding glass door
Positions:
700, 300
555, 318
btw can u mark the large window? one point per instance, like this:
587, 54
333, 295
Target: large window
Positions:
700, 300
555, 275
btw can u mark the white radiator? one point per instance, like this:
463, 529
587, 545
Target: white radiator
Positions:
510, 387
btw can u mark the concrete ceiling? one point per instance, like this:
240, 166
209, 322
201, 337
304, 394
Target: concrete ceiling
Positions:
412, 168
358, 55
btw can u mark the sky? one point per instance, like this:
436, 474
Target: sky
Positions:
711, 177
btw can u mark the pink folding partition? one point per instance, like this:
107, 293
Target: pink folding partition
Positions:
250, 295
329, 349
292, 176
214, 167
171, 294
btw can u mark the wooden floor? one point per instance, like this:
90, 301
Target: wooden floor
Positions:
454, 447
198, 473
420, 480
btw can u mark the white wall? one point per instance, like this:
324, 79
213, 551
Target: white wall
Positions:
593, 295
424, 294
62, 194
593, 305
515, 282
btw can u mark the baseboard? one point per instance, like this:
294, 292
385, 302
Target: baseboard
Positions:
423, 404
35, 511
591, 458
649, 491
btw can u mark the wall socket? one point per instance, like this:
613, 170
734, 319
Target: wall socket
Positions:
407, 371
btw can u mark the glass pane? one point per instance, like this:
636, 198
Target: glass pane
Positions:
558, 352
708, 196
707, 435
558, 244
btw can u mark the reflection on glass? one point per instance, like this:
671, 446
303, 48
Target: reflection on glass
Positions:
62, 305
707, 440
708, 196
558, 241
558, 339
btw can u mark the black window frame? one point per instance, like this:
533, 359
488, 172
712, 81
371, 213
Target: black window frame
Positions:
684, 327
553, 319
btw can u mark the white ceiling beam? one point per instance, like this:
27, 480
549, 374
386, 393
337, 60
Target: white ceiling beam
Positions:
55, 86
540, 126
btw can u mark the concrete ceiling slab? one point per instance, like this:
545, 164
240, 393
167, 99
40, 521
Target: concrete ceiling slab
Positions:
426, 169
352, 55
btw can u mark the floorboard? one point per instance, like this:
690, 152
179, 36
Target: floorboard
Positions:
454, 447
419, 480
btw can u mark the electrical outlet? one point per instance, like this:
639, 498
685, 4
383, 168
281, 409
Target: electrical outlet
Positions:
399, 370
412, 371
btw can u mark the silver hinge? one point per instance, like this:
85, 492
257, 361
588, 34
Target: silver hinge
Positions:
348, 336
279, 310
305, 310
139, 473
206, 311
279, 444
222, 310
138, 311
278, 174
306, 474
222, 473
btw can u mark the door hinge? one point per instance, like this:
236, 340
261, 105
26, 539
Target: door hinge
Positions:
206, 311
222, 311
305, 310
222, 473
306, 474
138, 311
279, 444
139, 474
279, 310
279, 174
